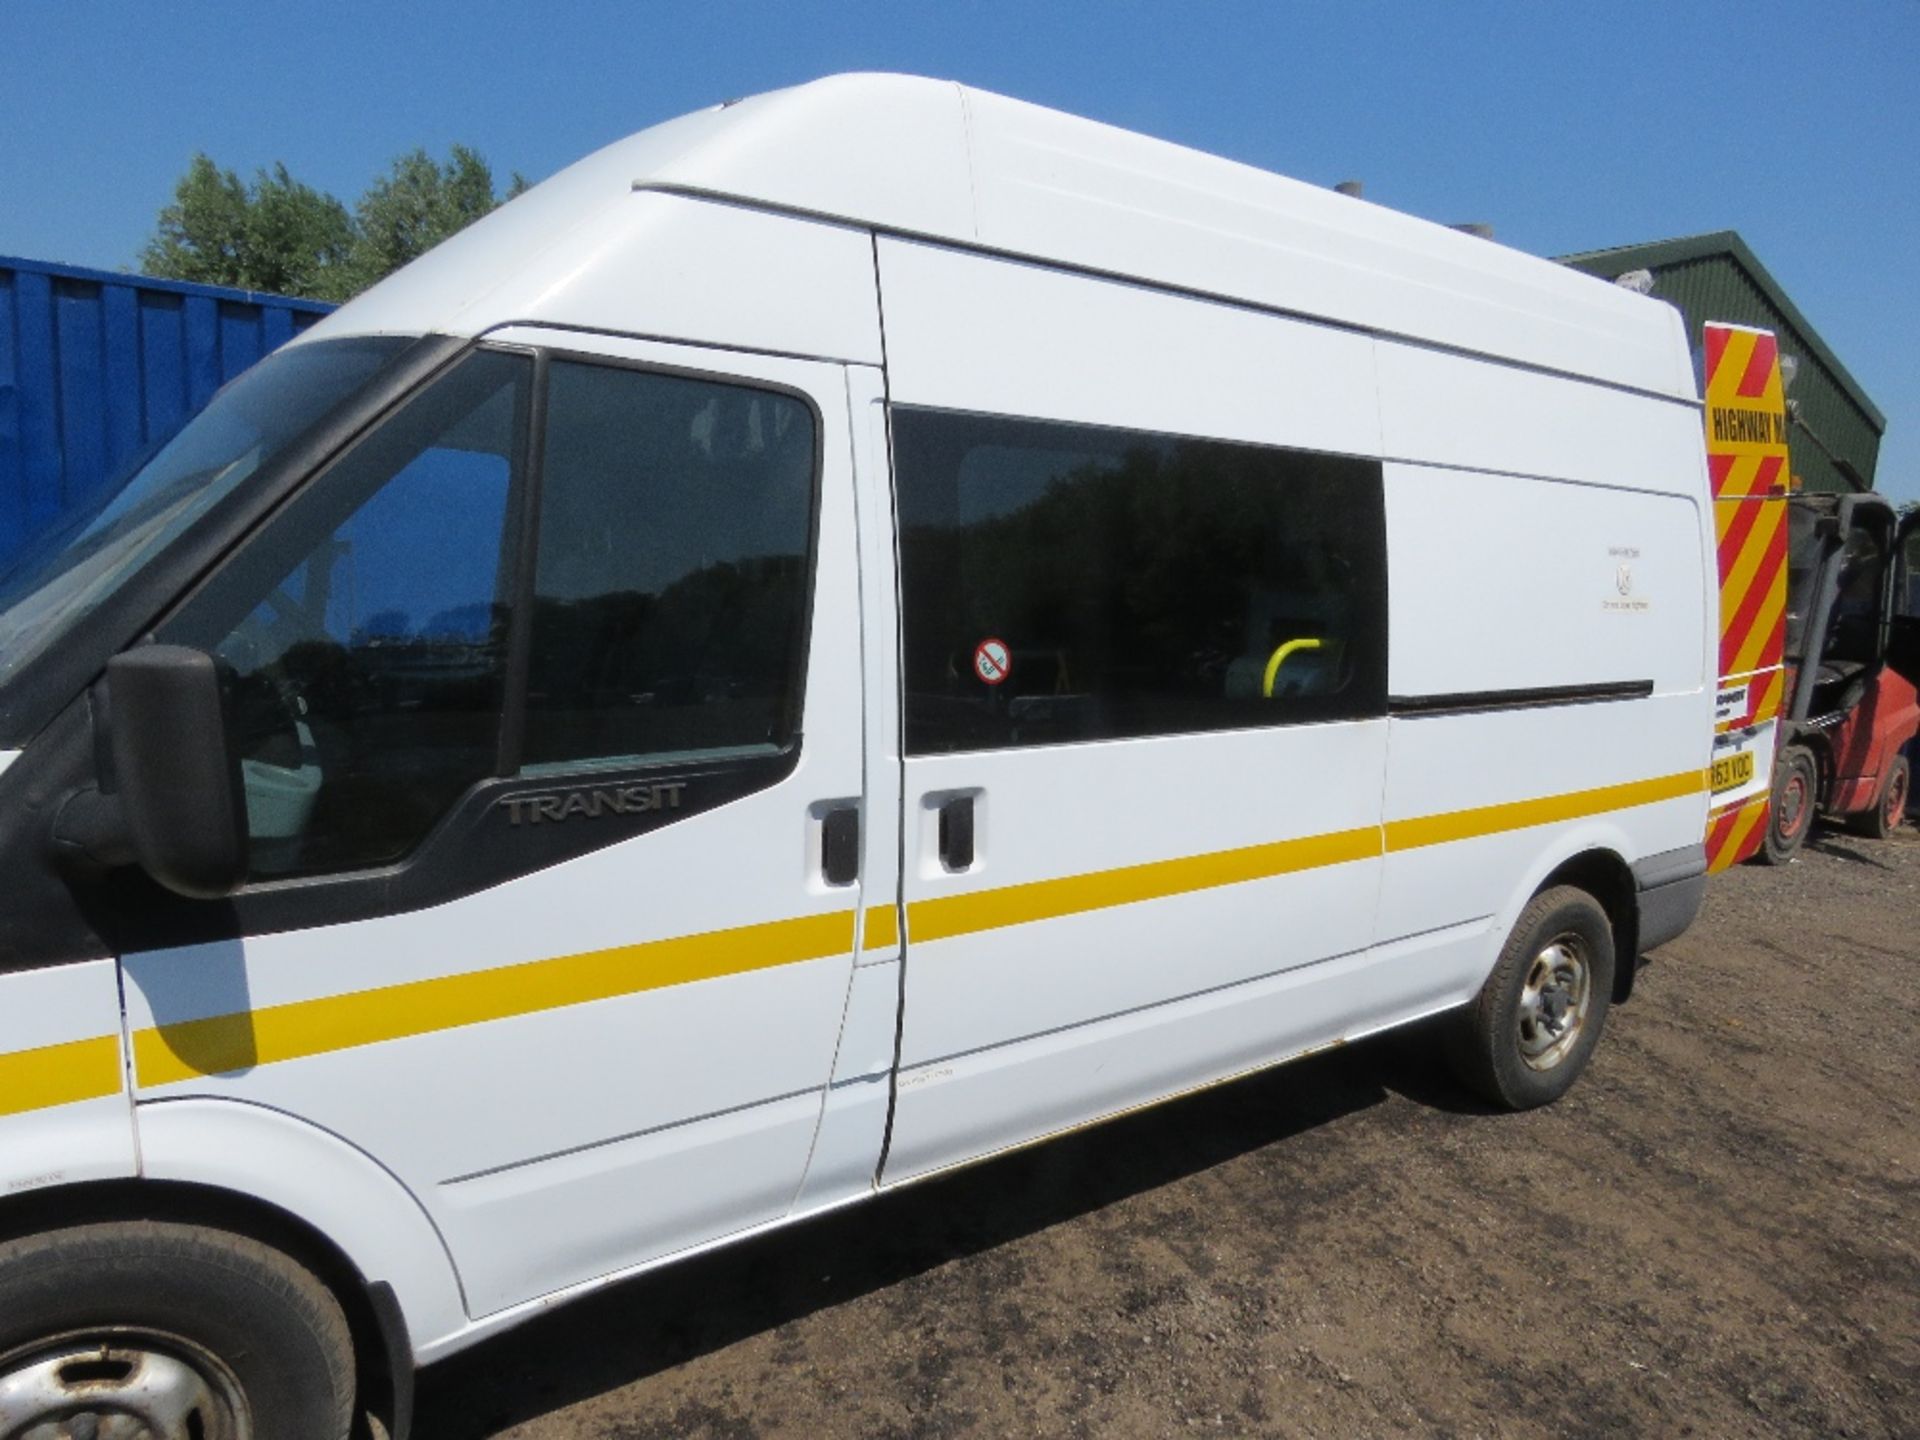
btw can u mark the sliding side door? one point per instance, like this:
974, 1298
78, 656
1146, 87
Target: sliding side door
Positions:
1143, 651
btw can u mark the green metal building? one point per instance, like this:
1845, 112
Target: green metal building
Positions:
1834, 443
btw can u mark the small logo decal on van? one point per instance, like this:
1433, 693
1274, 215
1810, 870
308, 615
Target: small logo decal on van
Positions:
594, 801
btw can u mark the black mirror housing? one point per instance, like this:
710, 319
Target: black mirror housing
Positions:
177, 776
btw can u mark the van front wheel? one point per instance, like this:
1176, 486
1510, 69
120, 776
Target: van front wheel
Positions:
1528, 1035
168, 1331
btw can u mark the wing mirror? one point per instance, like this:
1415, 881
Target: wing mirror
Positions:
177, 776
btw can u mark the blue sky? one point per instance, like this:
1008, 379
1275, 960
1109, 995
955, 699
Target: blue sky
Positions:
1568, 128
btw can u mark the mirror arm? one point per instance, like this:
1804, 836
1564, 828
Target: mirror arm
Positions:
90, 831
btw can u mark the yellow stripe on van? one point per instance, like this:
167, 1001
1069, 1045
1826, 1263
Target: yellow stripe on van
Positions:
883, 928
224, 1043
1548, 810
59, 1074
951, 915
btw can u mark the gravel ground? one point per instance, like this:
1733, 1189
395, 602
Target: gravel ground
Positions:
1715, 1234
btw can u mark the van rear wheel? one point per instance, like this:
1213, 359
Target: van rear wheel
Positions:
1526, 1038
168, 1332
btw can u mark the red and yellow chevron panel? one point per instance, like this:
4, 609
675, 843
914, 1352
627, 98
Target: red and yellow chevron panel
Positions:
1753, 583
1746, 424
1747, 457
1735, 833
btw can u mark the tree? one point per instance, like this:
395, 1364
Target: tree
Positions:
276, 234
284, 236
416, 205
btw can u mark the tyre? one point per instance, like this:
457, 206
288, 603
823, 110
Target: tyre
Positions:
1891, 812
1528, 1036
1790, 805
143, 1328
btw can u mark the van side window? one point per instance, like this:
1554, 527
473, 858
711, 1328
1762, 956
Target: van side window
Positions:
366, 632
1067, 582
671, 579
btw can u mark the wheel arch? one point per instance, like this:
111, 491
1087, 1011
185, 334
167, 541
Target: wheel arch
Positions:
383, 1351
1593, 858
293, 1186
1606, 876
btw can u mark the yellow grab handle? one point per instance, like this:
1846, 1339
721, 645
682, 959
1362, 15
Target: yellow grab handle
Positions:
1278, 656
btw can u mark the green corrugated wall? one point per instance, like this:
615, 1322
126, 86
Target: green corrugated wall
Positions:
1718, 287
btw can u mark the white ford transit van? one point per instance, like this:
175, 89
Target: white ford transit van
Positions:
842, 635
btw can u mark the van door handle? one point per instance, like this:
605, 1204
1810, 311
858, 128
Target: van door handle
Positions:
840, 846
956, 833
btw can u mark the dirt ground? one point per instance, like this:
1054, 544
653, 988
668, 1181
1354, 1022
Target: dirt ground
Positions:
1716, 1234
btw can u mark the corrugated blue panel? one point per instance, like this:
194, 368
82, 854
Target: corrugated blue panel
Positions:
120, 327
239, 338
203, 349
80, 353
96, 367
163, 363
39, 399
276, 328
13, 495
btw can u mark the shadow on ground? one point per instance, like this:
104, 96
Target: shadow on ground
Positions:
664, 1319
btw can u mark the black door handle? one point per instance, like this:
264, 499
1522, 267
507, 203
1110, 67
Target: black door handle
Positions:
956, 833
840, 846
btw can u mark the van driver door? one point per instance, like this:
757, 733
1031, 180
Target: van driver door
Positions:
547, 698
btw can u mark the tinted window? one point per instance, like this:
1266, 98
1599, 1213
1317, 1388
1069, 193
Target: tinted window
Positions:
1066, 583
671, 579
366, 632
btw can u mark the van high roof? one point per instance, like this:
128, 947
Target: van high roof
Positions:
948, 163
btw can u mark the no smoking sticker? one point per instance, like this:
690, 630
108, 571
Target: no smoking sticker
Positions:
992, 662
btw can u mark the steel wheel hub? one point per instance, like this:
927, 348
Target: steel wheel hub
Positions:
1793, 806
120, 1387
1554, 1003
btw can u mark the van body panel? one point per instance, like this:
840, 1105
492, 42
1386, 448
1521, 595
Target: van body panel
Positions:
1458, 411
1059, 187
880, 922
650, 264
969, 332
1611, 579
1462, 831
338, 1189
7, 757
429, 294
1107, 821
931, 159
956, 1109
64, 1116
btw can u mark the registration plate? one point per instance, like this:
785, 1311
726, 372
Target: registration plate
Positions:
1730, 772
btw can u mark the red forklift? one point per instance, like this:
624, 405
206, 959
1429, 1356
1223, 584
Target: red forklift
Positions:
1852, 703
